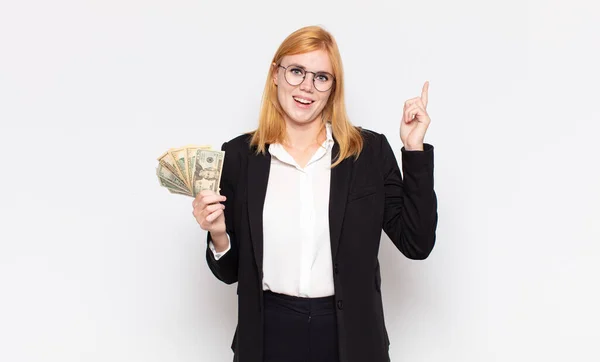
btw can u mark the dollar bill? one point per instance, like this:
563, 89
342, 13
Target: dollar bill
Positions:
174, 189
191, 159
164, 173
178, 192
167, 160
208, 165
180, 156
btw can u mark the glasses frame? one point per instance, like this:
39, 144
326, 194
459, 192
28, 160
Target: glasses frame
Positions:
304, 77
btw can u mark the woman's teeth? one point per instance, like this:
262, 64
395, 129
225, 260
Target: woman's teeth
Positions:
303, 101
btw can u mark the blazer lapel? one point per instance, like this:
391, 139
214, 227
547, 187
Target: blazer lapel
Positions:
258, 177
338, 194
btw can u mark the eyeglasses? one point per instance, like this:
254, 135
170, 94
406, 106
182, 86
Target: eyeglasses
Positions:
295, 74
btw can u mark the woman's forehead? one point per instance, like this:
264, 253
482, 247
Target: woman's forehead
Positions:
317, 60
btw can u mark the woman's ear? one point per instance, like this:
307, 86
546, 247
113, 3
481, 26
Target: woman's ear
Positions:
275, 73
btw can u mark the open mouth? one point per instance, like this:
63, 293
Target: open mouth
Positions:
303, 101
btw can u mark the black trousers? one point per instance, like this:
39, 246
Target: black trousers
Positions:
300, 329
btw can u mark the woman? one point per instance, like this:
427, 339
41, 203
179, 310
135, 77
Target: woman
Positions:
303, 201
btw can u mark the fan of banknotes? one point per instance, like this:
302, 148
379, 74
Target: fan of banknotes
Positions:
190, 169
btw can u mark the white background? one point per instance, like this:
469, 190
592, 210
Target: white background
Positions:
99, 263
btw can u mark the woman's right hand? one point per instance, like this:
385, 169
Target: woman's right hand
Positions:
208, 211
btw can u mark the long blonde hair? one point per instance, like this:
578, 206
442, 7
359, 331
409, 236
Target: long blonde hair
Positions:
271, 124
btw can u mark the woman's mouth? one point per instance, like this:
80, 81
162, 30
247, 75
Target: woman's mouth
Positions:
303, 102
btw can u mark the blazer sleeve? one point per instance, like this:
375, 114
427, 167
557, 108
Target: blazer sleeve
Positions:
410, 215
226, 268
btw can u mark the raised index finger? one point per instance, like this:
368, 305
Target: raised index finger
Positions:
424, 94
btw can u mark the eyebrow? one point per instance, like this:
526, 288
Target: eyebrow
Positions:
303, 67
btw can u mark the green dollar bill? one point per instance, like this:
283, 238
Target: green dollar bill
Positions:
208, 166
178, 192
180, 157
169, 162
191, 159
165, 174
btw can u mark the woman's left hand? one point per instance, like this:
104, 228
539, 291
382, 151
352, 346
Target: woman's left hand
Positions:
415, 121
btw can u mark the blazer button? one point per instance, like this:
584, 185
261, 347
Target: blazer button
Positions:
335, 269
340, 304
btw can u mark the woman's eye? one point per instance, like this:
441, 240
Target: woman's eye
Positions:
322, 77
297, 71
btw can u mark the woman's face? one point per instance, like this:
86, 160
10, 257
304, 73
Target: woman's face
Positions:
302, 103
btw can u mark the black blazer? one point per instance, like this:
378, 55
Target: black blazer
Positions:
366, 196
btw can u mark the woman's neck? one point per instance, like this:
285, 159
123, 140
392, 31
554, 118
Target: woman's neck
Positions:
303, 136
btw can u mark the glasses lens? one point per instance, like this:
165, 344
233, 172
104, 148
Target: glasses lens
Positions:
323, 81
294, 75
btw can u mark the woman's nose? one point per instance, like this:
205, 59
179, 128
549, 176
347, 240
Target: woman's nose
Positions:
307, 84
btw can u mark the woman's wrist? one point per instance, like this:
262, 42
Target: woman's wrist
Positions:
220, 241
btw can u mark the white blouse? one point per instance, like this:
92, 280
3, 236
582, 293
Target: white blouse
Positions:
297, 250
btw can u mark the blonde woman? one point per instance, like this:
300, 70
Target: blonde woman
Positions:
303, 201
